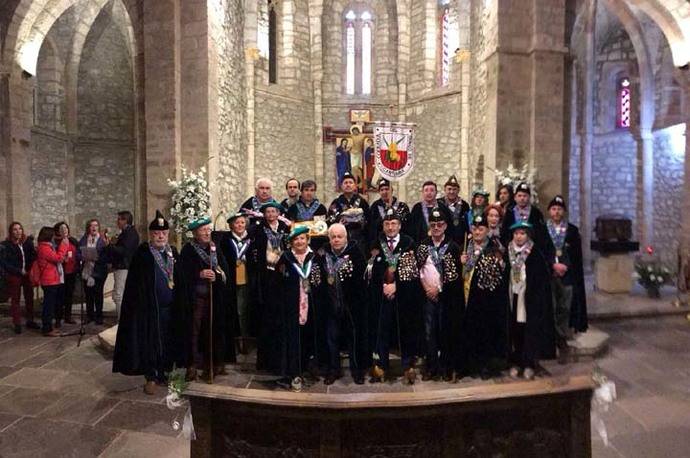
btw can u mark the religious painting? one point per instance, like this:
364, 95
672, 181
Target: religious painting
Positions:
354, 153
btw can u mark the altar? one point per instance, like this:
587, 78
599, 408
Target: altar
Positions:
247, 415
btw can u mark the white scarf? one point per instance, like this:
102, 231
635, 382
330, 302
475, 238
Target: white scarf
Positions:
518, 280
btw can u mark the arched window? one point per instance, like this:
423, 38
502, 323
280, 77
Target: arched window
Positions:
448, 40
358, 43
623, 94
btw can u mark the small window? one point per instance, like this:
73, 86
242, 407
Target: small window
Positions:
272, 43
623, 95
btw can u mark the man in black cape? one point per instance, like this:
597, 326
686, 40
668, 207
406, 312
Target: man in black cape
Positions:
568, 289
146, 343
351, 209
344, 304
378, 209
235, 245
205, 284
457, 208
268, 244
419, 217
486, 314
308, 208
532, 327
394, 291
440, 271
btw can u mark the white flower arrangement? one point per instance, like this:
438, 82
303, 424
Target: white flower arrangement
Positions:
514, 176
190, 200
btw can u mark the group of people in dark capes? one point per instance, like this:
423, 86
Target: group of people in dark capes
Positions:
467, 288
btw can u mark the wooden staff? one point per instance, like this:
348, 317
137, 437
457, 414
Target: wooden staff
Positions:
210, 317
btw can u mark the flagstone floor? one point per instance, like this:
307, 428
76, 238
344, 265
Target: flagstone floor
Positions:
59, 399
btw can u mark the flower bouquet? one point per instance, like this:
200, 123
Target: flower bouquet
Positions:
651, 273
514, 176
191, 200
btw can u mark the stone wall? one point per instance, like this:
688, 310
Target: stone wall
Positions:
231, 128
669, 154
614, 175
284, 112
103, 181
106, 86
50, 167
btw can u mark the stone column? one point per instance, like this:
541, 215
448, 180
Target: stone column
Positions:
645, 157
251, 55
162, 99
403, 10
684, 246
316, 45
587, 132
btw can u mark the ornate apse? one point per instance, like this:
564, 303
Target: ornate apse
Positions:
547, 417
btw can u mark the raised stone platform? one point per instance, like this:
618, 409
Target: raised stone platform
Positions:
246, 414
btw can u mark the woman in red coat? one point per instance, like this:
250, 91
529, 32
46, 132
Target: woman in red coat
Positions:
50, 258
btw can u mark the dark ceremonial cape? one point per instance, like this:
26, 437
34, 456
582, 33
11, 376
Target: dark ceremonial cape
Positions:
408, 297
300, 342
140, 338
267, 299
451, 298
540, 331
576, 277
345, 302
224, 241
191, 266
457, 224
486, 317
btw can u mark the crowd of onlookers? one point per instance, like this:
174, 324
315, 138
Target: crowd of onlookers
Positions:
57, 262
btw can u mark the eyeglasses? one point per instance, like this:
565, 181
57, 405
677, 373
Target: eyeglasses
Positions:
437, 224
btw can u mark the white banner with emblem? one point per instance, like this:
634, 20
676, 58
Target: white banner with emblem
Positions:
395, 150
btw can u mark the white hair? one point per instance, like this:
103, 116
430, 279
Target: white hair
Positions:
265, 181
337, 227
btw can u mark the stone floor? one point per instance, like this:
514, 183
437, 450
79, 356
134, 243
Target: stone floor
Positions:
57, 399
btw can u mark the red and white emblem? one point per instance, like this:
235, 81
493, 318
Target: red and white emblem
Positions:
394, 149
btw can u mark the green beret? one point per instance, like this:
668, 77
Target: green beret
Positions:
480, 192
196, 224
234, 216
298, 231
521, 225
270, 204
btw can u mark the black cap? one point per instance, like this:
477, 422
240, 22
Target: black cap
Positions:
391, 215
479, 220
452, 181
347, 175
159, 223
383, 182
436, 216
523, 187
558, 200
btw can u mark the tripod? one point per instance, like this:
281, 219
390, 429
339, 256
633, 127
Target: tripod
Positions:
82, 327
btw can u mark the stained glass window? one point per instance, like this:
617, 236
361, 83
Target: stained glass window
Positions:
623, 102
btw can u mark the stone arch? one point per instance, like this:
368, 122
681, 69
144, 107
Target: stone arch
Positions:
30, 24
